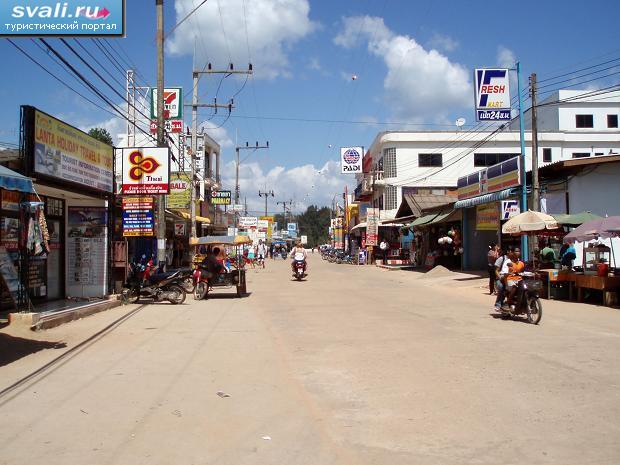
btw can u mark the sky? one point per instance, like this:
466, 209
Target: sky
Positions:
326, 74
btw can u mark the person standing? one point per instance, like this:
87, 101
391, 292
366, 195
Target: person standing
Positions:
384, 249
492, 257
261, 252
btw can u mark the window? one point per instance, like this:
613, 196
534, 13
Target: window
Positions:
54, 207
598, 154
612, 121
389, 163
547, 156
391, 198
490, 159
581, 154
430, 159
584, 121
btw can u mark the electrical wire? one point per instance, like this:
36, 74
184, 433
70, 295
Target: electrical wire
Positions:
184, 19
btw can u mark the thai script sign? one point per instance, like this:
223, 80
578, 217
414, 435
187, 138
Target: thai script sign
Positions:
146, 170
492, 94
221, 197
138, 216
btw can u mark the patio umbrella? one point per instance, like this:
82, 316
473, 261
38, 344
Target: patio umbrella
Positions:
602, 227
575, 219
529, 222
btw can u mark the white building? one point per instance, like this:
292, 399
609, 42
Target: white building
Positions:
569, 127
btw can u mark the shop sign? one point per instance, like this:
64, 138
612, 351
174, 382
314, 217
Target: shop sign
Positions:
71, 18
221, 197
180, 191
510, 208
248, 221
351, 159
170, 126
487, 217
138, 217
492, 94
493, 179
372, 226
232, 231
263, 224
65, 153
173, 104
238, 207
146, 171
10, 200
261, 235
180, 229
304, 240
10, 233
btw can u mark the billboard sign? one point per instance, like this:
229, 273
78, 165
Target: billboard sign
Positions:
487, 217
510, 208
69, 18
138, 216
221, 197
304, 240
173, 103
180, 191
66, 154
146, 170
492, 92
351, 159
238, 207
248, 221
170, 126
263, 224
180, 229
492, 179
372, 226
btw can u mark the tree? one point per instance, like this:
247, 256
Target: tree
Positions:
101, 135
314, 223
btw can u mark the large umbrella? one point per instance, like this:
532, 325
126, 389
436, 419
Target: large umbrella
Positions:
529, 222
602, 227
575, 219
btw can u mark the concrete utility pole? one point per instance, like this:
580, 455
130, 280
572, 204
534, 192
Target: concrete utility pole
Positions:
535, 186
238, 163
284, 204
266, 195
161, 136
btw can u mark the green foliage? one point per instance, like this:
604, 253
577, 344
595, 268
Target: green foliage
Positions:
102, 135
314, 223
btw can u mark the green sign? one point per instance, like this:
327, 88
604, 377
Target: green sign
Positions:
173, 103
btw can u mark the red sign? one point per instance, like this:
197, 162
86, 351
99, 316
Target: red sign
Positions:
171, 126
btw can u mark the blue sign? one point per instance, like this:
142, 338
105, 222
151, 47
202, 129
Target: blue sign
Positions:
68, 18
291, 227
492, 94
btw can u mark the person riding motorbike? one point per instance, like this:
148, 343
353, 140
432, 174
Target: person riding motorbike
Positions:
513, 278
298, 253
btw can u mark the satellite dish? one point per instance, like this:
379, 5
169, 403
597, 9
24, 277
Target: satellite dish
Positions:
460, 122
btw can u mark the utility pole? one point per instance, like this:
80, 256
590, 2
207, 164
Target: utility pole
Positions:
238, 163
161, 137
524, 241
535, 186
284, 204
266, 195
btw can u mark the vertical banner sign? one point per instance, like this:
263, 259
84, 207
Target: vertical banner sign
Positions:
146, 170
372, 226
180, 191
138, 216
492, 94
351, 159
292, 230
173, 109
68, 18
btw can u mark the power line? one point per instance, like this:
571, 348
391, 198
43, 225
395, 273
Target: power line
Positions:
184, 19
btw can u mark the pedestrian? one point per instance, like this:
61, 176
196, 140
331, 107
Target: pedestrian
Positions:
384, 248
262, 253
492, 257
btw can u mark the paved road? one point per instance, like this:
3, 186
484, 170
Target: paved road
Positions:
354, 366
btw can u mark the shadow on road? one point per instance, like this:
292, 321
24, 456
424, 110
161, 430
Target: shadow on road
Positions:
13, 348
499, 316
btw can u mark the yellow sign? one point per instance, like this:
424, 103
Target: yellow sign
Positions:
271, 220
180, 193
487, 217
64, 152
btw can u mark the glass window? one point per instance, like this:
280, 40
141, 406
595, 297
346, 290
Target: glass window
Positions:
391, 198
581, 154
584, 121
490, 159
612, 121
547, 156
389, 163
430, 159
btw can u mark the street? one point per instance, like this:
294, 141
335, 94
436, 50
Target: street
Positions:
356, 365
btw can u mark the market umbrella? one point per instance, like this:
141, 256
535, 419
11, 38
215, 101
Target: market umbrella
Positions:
529, 222
576, 218
602, 227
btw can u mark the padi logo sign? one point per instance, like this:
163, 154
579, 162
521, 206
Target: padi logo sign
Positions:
492, 94
351, 159
68, 18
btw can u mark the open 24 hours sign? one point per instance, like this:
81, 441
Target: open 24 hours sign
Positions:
146, 170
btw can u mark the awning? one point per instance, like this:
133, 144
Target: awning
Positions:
359, 226
445, 217
575, 219
486, 198
186, 216
423, 220
13, 181
388, 224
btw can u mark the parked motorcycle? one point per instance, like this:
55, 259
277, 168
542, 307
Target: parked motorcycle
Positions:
527, 299
144, 282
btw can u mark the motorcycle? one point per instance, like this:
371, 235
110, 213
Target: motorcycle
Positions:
527, 299
299, 269
144, 282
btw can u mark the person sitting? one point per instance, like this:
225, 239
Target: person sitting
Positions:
211, 264
512, 280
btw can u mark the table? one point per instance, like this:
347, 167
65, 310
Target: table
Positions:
557, 276
608, 284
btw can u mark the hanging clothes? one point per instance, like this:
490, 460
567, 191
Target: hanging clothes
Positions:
45, 235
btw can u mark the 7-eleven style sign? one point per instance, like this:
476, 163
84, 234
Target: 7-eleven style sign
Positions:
173, 103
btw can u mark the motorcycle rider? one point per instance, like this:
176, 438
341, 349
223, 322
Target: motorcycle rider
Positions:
512, 280
298, 253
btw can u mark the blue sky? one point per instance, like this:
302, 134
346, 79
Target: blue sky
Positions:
413, 61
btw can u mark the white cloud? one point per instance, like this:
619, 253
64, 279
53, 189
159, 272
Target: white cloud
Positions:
443, 43
505, 57
420, 85
219, 134
315, 64
306, 185
273, 27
